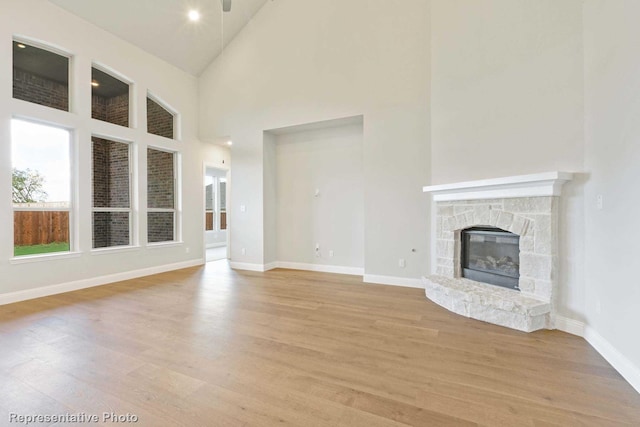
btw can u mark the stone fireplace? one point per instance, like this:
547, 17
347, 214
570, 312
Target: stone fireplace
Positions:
512, 224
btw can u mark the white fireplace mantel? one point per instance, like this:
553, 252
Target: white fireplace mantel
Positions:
536, 185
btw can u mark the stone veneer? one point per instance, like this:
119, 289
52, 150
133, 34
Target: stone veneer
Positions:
535, 220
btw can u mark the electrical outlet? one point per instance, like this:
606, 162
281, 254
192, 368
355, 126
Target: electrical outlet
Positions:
402, 263
187, 249
243, 208
599, 202
244, 251
330, 254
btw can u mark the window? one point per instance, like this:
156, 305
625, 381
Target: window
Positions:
109, 98
40, 76
215, 209
161, 196
159, 119
111, 175
210, 201
41, 188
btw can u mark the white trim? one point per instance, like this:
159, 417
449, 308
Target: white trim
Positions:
271, 266
51, 256
114, 250
618, 361
44, 291
216, 245
570, 326
624, 366
161, 245
536, 185
246, 266
393, 281
337, 269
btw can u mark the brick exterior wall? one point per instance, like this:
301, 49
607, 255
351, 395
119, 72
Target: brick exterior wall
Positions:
113, 110
39, 90
159, 120
110, 229
160, 227
160, 195
111, 189
160, 184
111, 161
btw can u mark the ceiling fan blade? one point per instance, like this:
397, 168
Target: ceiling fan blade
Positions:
226, 5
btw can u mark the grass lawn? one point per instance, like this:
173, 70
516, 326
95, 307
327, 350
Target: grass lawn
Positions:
40, 249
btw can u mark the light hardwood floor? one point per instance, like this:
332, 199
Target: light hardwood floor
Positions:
214, 347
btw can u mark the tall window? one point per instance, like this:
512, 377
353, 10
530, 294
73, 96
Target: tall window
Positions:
40, 76
109, 98
161, 196
41, 188
111, 193
159, 119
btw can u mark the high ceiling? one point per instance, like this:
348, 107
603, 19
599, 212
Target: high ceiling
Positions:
161, 27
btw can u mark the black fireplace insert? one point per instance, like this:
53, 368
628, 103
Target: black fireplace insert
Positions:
491, 255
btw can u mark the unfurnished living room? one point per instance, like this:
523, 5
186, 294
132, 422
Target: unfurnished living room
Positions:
319, 212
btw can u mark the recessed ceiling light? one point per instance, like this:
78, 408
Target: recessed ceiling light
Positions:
229, 142
94, 83
21, 46
194, 15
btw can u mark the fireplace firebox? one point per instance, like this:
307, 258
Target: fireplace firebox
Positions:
491, 255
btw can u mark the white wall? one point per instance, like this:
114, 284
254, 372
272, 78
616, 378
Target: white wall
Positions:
270, 191
507, 99
42, 21
506, 88
328, 160
304, 61
612, 72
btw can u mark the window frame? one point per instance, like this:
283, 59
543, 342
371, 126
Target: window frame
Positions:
71, 105
217, 204
177, 198
72, 209
177, 132
133, 238
132, 98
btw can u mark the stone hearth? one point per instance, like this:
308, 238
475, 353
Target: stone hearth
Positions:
523, 205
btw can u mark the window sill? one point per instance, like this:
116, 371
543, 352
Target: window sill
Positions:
163, 245
44, 257
115, 249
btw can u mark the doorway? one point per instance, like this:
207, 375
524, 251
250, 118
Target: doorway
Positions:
216, 231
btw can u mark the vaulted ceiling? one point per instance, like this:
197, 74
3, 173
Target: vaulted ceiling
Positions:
162, 28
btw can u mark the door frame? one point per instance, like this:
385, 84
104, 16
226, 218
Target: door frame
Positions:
205, 166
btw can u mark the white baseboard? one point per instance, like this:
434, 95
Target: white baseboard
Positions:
44, 291
338, 269
570, 326
271, 266
246, 266
216, 245
624, 366
393, 281
620, 363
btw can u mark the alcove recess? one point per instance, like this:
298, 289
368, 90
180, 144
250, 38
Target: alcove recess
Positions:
314, 196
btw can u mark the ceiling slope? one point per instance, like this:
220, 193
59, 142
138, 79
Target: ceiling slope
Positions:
161, 27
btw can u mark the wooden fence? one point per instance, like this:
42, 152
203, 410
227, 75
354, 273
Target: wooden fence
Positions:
44, 227
40, 227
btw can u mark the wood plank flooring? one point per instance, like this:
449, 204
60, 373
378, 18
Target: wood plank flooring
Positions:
211, 346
